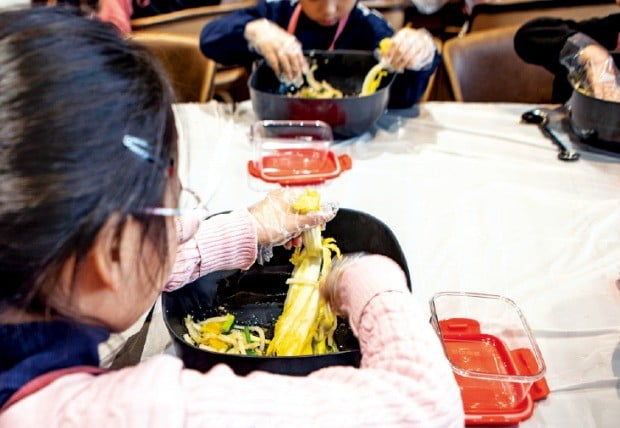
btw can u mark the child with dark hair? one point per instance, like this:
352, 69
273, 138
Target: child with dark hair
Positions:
91, 230
278, 30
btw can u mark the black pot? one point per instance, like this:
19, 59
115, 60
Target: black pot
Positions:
596, 121
256, 297
343, 69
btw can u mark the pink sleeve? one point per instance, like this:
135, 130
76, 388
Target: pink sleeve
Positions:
118, 12
405, 379
225, 241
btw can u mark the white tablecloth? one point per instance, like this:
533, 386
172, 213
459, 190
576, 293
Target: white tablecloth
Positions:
478, 203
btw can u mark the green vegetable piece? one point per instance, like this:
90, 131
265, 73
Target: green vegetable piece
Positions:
227, 325
251, 352
246, 332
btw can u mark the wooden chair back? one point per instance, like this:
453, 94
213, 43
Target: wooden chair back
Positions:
190, 72
484, 67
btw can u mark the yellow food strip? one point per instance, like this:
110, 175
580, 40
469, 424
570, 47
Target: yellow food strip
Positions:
307, 323
308, 202
384, 45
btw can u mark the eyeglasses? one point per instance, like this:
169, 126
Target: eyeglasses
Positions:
189, 202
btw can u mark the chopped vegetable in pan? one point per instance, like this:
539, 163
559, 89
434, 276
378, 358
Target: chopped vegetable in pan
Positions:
307, 323
221, 334
372, 81
316, 89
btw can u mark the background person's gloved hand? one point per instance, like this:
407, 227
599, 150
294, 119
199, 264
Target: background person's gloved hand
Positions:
591, 67
412, 49
281, 50
601, 72
277, 222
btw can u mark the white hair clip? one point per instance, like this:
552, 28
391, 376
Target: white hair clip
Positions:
143, 149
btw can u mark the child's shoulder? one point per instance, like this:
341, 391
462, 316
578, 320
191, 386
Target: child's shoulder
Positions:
371, 17
289, 4
277, 7
364, 13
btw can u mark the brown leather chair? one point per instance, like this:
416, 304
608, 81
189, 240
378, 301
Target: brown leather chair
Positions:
483, 66
487, 15
230, 82
190, 72
430, 93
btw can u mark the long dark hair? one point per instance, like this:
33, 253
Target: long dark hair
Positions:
70, 90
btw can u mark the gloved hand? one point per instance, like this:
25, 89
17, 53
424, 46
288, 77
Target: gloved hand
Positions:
330, 288
601, 72
277, 222
281, 50
411, 49
591, 67
356, 279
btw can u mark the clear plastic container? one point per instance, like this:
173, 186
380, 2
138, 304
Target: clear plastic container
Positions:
492, 351
286, 148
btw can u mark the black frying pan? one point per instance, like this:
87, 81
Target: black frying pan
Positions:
256, 297
343, 69
596, 121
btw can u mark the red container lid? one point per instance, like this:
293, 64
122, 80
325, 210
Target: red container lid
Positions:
284, 168
487, 401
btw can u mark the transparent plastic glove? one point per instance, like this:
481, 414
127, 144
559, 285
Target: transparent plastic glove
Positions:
410, 48
277, 222
330, 288
591, 68
281, 50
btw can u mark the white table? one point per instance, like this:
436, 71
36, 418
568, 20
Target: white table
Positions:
478, 203
13, 4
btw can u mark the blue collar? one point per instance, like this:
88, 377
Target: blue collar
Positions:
33, 349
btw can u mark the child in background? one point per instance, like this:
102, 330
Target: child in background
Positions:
278, 30
88, 205
121, 12
542, 41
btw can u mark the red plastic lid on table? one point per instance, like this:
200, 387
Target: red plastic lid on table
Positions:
494, 357
294, 152
284, 169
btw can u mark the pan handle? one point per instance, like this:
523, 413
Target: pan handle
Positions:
540, 117
565, 154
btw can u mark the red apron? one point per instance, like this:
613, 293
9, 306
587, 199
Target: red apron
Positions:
292, 25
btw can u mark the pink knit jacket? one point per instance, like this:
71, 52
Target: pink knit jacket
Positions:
404, 379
